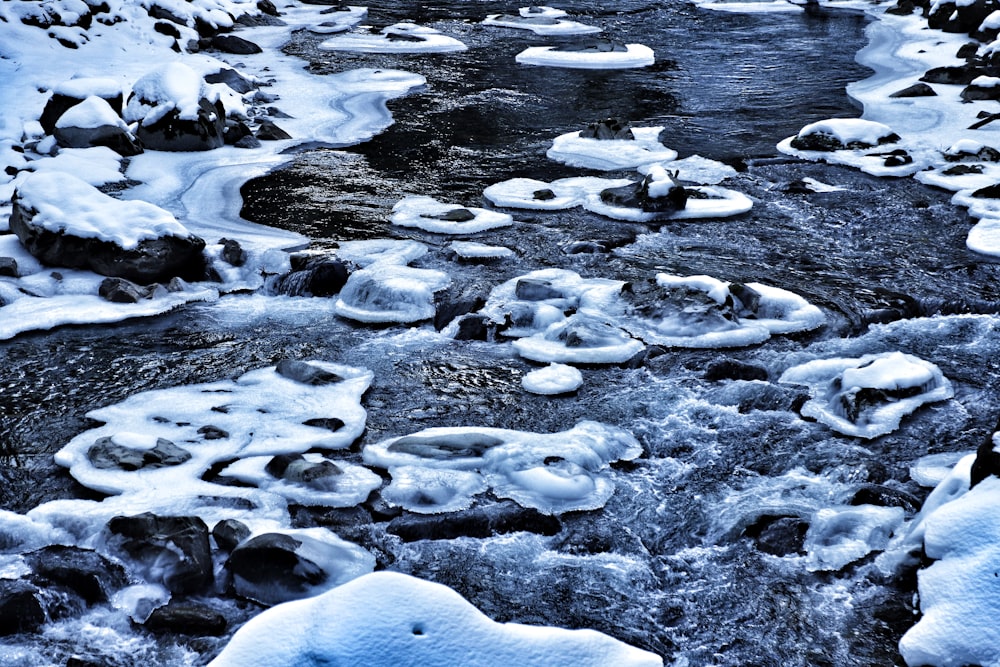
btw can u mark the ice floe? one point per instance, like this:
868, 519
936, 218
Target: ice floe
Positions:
592, 54
471, 250
701, 202
541, 21
581, 338
694, 169
306, 479
430, 215
396, 38
552, 380
868, 397
538, 195
587, 149
553, 473
867, 145
401, 620
390, 293
338, 19
839, 536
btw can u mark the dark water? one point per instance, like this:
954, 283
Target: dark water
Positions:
664, 565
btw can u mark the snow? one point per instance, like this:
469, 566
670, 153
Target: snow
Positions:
611, 154
839, 536
339, 20
349, 486
566, 192
400, 620
580, 339
471, 250
749, 7
634, 55
83, 87
386, 292
878, 382
553, 473
90, 113
170, 87
65, 203
849, 130
540, 24
694, 169
552, 380
714, 202
426, 213
396, 38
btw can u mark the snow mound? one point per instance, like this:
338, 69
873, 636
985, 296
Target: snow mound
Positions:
707, 202
632, 55
541, 22
552, 380
430, 215
441, 469
396, 38
869, 396
694, 169
396, 619
867, 145
611, 154
470, 250
340, 20
171, 86
390, 293
561, 194
580, 339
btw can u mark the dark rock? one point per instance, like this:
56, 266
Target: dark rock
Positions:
167, 28
447, 311
237, 130
778, 535
884, 496
186, 618
59, 104
268, 131
231, 78
544, 194
902, 8
473, 327
637, 195
228, 534
269, 569
275, 112
313, 276
329, 423
175, 549
968, 51
399, 36
8, 267
306, 373
916, 90
210, 432
152, 260
296, 469
21, 607
598, 45
117, 138
987, 463
855, 402
534, 289
963, 169
157, 12
988, 192
584, 247
732, 369
267, 7
608, 129
956, 75
105, 454
973, 93
984, 154
235, 45
820, 141
247, 142
479, 522
87, 573
453, 215
173, 133
119, 290
232, 252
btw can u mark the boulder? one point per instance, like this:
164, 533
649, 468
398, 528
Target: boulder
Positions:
637, 195
231, 78
885, 496
269, 568
21, 607
306, 373
174, 133
235, 45
313, 276
175, 110
93, 122
974, 93
119, 290
953, 75
186, 618
779, 535
609, 129
106, 454
479, 522
268, 131
987, 463
228, 534
8, 267
138, 241
296, 469
72, 92
916, 90
87, 573
174, 550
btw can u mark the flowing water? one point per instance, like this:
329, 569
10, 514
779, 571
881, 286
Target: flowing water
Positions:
671, 564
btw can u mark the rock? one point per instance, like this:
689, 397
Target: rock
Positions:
229, 533
235, 45
956, 75
637, 195
462, 305
236, 131
306, 373
21, 607
609, 129
778, 535
598, 45
173, 133
8, 267
313, 276
231, 78
988, 192
119, 290
105, 454
267, 7
916, 90
268, 131
732, 369
821, 141
249, 141
68, 96
186, 618
93, 122
987, 463
973, 93
271, 562
479, 522
884, 496
296, 469
968, 51
232, 252
533, 289
174, 549
984, 154
329, 423
473, 327
87, 573
167, 28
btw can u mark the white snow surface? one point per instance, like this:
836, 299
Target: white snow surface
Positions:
716, 203
566, 192
541, 23
472, 250
93, 112
411, 38
385, 292
635, 55
611, 154
422, 212
400, 620
171, 86
553, 379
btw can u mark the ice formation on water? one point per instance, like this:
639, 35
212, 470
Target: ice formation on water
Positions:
441, 469
604, 55
471, 250
610, 154
839, 536
694, 169
385, 292
704, 201
868, 396
339, 20
396, 619
560, 194
431, 215
553, 379
867, 145
541, 21
308, 479
581, 338
396, 38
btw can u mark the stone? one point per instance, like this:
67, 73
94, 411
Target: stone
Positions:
820, 141
173, 133
186, 618
248, 141
235, 45
778, 535
267, 7
449, 310
21, 607
231, 78
479, 522
229, 533
534, 289
987, 463
118, 139
733, 369
119, 290
232, 252
636, 195
8, 267
84, 571
236, 131
296, 469
453, 215
916, 90
105, 454
329, 423
973, 93
306, 373
174, 549
59, 103
268, 131
955, 75
210, 432
271, 561
167, 28
607, 130
884, 496
313, 276
598, 45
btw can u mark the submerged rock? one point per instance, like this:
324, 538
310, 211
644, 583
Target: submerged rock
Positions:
173, 550
87, 573
21, 608
186, 618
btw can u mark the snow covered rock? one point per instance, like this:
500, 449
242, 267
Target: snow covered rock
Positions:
70, 93
580, 339
176, 111
552, 380
396, 619
396, 38
657, 192
93, 122
609, 145
63, 221
430, 215
541, 21
840, 133
171, 550
869, 396
390, 293
867, 145
306, 479
839, 536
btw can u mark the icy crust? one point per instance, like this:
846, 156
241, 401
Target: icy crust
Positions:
561, 194
397, 619
321, 481
580, 339
441, 469
839, 536
396, 38
749, 7
634, 55
707, 202
65, 203
867, 145
705, 312
261, 413
390, 293
694, 169
381, 251
470, 250
339, 20
610, 154
552, 380
430, 215
869, 396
